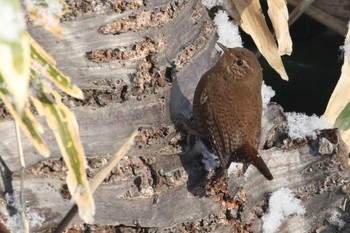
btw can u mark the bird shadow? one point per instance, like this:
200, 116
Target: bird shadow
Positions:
6, 176
191, 159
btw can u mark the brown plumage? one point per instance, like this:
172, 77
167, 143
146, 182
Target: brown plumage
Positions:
227, 109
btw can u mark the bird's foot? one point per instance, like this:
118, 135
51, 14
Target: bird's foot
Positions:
183, 123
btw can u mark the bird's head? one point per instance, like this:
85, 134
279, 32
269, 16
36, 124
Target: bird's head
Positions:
240, 64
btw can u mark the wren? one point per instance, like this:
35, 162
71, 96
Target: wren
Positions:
227, 109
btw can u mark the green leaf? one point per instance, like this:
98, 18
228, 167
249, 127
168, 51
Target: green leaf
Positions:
14, 50
45, 65
343, 120
65, 127
30, 126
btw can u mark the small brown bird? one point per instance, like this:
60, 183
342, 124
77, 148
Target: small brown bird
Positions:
227, 110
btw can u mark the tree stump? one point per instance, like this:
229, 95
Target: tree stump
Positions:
124, 56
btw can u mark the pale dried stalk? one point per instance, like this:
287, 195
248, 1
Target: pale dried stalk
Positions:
341, 94
97, 180
21, 159
299, 10
106, 169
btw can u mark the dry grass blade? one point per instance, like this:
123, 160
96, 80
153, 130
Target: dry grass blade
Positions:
97, 180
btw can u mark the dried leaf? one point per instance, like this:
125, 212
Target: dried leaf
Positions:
44, 64
278, 14
65, 127
341, 95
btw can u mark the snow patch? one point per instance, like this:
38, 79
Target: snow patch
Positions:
346, 47
227, 31
14, 222
336, 220
234, 168
267, 93
282, 204
302, 126
210, 160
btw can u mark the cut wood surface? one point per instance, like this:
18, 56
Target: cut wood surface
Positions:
102, 130
157, 190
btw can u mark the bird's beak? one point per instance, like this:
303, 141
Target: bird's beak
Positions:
222, 47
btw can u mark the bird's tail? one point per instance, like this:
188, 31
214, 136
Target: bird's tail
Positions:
252, 156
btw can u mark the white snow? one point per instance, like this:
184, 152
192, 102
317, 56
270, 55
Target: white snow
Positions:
14, 222
302, 126
227, 31
11, 22
282, 204
267, 93
210, 160
336, 220
234, 168
346, 46
10, 198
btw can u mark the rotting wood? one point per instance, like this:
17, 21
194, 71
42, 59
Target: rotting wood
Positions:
81, 37
152, 189
156, 190
102, 130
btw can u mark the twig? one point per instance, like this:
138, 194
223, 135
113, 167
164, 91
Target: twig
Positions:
298, 11
21, 159
97, 180
324, 18
104, 172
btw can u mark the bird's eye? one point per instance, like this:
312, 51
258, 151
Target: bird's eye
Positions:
239, 62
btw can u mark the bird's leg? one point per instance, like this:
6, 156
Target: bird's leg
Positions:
191, 133
185, 122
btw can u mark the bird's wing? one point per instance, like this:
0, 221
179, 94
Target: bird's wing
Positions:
225, 130
227, 135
